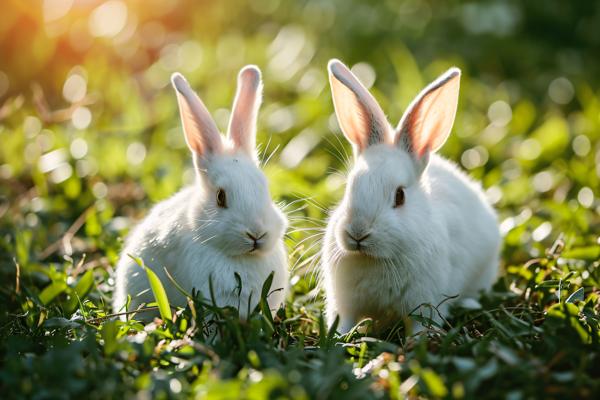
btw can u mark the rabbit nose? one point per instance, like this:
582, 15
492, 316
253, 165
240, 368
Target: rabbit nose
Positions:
256, 237
357, 238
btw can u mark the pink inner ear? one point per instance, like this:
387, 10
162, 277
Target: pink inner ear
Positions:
242, 126
351, 115
429, 119
360, 117
201, 132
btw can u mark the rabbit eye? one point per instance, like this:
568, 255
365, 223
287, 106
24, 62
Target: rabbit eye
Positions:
399, 199
221, 198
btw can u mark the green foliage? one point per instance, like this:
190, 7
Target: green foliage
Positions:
160, 295
90, 139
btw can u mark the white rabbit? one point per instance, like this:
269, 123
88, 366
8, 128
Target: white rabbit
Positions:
225, 223
411, 229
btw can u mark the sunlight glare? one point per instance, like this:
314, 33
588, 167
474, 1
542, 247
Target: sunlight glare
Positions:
108, 19
56, 9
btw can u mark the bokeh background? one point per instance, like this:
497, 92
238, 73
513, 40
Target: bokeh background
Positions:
90, 136
90, 139
87, 115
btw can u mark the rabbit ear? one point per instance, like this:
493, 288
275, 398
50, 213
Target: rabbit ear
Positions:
360, 117
428, 120
201, 132
242, 126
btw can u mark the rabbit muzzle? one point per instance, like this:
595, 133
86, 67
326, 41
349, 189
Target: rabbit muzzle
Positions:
354, 242
258, 240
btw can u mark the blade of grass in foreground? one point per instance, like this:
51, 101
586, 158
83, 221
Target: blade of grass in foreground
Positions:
160, 295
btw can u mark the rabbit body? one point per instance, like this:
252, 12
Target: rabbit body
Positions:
225, 224
412, 229
447, 247
169, 237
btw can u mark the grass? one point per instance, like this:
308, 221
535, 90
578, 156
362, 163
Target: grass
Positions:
536, 335
72, 187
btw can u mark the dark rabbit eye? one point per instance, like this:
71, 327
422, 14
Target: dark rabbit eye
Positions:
221, 198
399, 199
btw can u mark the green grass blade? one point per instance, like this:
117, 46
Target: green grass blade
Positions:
176, 284
264, 304
51, 291
577, 295
80, 291
84, 285
160, 295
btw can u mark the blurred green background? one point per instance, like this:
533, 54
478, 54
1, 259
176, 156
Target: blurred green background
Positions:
90, 136
88, 117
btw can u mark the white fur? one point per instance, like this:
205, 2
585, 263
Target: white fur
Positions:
444, 241
195, 240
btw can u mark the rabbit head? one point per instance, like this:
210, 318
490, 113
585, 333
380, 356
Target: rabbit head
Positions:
233, 211
385, 208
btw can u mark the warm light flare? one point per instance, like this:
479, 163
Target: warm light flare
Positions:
108, 19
